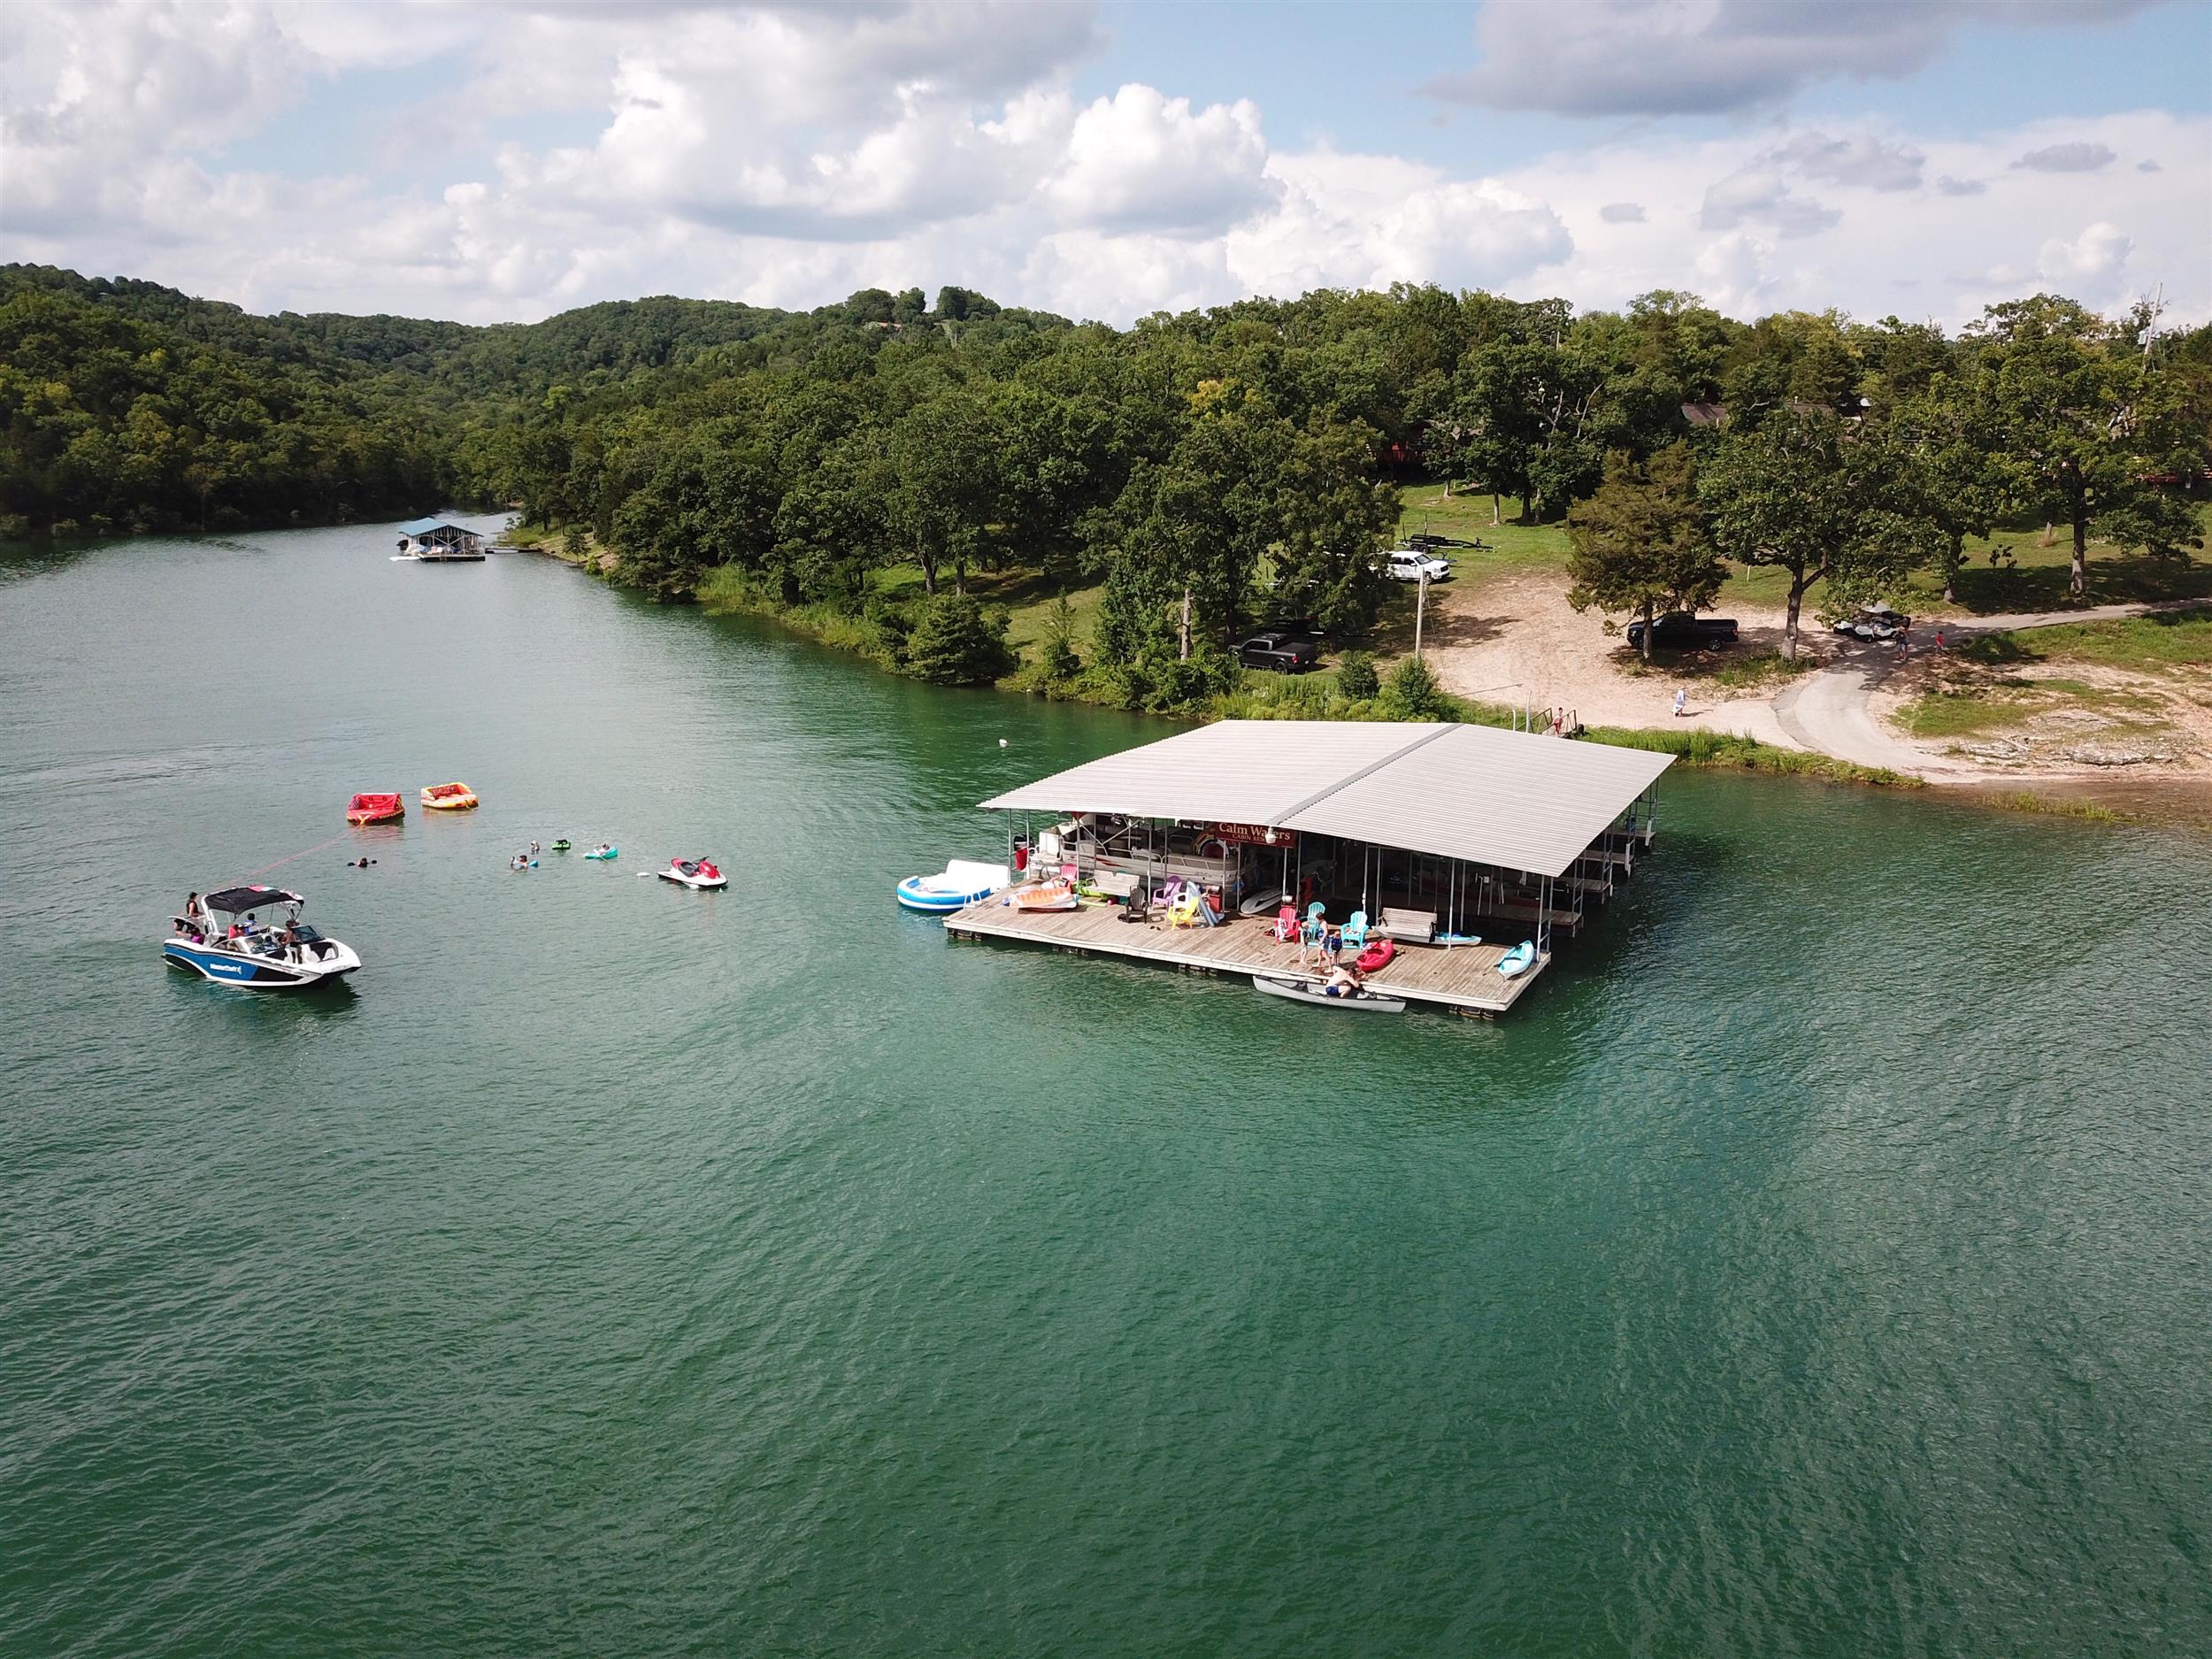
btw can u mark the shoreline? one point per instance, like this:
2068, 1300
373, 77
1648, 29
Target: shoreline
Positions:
1730, 733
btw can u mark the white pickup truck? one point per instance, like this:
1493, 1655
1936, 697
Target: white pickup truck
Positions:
1410, 565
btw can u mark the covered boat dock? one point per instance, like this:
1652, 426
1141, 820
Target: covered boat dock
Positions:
440, 541
1437, 831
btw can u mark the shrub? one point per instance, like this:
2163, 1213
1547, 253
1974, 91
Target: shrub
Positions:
1412, 694
956, 643
1057, 657
1355, 676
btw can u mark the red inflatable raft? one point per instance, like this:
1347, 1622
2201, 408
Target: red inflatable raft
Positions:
375, 809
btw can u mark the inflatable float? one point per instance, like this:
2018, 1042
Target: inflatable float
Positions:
448, 797
958, 884
375, 809
604, 852
1043, 895
561, 846
699, 875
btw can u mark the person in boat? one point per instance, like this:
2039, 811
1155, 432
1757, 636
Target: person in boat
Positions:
1342, 981
603, 846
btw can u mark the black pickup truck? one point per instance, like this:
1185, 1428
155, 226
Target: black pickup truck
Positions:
1283, 652
1680, 631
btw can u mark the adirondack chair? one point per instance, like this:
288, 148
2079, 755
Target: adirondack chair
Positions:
1185, 911
1286, 923
1356, 932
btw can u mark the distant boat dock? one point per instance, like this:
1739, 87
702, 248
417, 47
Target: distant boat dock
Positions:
1436, 833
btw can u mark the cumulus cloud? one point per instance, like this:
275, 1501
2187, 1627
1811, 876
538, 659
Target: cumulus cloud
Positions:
1759, 195
2147, 166
1699, 57
2078, 156
786, 154
1863, 160
2090, 265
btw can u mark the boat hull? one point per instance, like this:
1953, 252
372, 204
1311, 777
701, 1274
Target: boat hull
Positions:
697, 884
1304, 991
259, 973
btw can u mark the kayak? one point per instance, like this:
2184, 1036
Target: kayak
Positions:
1379, 954
1457, 939
1515, 961
612, 852
1307, 991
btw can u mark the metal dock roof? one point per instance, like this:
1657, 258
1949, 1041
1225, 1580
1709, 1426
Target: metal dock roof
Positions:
1512, 799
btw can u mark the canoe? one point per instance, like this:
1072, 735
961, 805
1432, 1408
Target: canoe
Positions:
448, 797
1517, 960
375, 809
1307, 991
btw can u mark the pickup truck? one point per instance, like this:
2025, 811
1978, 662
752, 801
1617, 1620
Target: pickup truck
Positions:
1681, 631
1284, 653
1410, 565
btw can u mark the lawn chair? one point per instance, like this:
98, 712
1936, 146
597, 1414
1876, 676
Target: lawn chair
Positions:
1316, 928
1356, 932
1286, 923
1185, 911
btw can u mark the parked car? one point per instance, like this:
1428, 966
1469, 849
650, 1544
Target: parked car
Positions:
1874, 623
1684, 631
1411, 564
1284, 653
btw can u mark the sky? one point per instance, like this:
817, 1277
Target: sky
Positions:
502, 160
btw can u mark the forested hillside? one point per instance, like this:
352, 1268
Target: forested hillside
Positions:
1201, 471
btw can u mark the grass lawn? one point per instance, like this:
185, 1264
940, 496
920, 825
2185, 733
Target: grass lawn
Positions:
2171, 641
2034, 578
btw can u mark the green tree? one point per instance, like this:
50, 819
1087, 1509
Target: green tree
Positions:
1957, 452
1355, 676
956, 641
1057, 654
1640, 542
1411, 693
1799, 495
2091, 421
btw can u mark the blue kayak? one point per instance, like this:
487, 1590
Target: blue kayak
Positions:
1515, 961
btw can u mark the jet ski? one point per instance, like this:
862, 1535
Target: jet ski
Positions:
699, 875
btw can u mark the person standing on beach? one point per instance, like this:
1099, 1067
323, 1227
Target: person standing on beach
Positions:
1681, 695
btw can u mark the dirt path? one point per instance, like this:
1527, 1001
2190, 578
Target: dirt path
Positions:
1515, 640
1831, 712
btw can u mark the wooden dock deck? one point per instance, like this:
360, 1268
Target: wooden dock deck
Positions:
1462, 977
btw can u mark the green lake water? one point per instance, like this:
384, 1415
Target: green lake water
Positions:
1819, 1261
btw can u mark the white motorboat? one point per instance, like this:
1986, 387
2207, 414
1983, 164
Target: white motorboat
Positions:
228, 941
701, 875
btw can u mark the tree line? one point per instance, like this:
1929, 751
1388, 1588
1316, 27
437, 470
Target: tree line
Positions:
1205, 472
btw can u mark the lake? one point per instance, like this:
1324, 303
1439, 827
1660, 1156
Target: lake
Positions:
1818, 1259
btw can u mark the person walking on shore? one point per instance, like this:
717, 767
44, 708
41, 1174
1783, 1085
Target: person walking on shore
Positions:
1681, 695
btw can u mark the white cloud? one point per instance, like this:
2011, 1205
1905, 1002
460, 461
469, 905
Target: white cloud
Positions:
1700, 57
2090, 266
788, 155
2078, 156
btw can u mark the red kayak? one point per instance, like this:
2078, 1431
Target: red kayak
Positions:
1379, 954
375, 809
